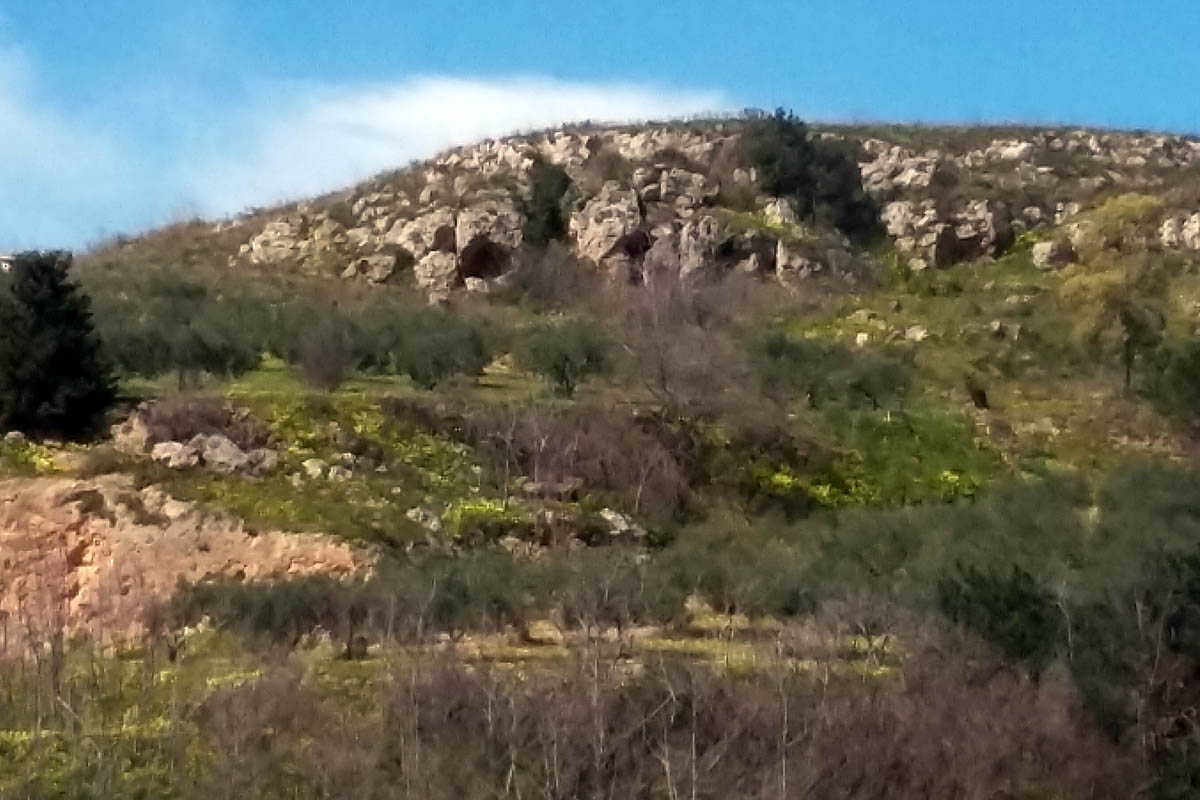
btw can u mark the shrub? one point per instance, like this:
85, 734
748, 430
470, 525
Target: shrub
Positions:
821, 175
1120, 286
545, 217
622, 458
1012, 611
482, 521
161, 322
603, 165
428, 345
550, 278
443, 346
22, 456
825, 371
565, 353
1176, 389
326, 352
178, 419
53, 378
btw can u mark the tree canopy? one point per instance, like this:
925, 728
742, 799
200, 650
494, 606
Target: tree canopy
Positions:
1119, 283
820, 175
53, 378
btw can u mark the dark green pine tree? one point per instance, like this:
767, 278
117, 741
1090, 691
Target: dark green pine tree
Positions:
54, 382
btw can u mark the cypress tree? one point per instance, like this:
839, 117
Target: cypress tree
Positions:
53, 379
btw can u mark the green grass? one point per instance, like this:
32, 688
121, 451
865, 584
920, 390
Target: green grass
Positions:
901, 458
1003, 325
414, 467
23, 457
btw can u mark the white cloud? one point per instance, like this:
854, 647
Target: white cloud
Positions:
56, 173
65, 179
328, 138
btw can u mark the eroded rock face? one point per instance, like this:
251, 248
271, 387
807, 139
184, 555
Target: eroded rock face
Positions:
378, 268
686, 191
277, 242
1181, 231
499, 221
978, 229
97, 557
612, 214
780, 211
699, 241
434, 231
437, 274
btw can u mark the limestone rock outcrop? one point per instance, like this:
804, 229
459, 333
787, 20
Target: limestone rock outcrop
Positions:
646, 200
613, 214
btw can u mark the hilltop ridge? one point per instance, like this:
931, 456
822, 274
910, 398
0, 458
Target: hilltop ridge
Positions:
682, 197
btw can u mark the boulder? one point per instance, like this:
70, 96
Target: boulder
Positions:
262, 460
218, 452
791, 265
1053, 254
278, 241
988, 220
621, 525
377, 268
898, 218
1015, 151
132, 435
434, 231
314, 468
499, 221
604, 220
425, 518
699, 240
175, 455
436, 274
780, 211
686, 191
1182, 232
553, 490
541, 632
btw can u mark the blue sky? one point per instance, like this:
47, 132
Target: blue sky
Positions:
119, 115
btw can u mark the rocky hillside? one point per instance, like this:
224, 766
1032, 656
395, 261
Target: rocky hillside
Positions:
683, 198
911, 468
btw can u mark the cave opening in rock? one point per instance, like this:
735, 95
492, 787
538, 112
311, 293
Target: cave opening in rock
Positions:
482, 258
443, 239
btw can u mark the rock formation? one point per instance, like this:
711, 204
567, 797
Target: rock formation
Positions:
458, 219
100, 556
